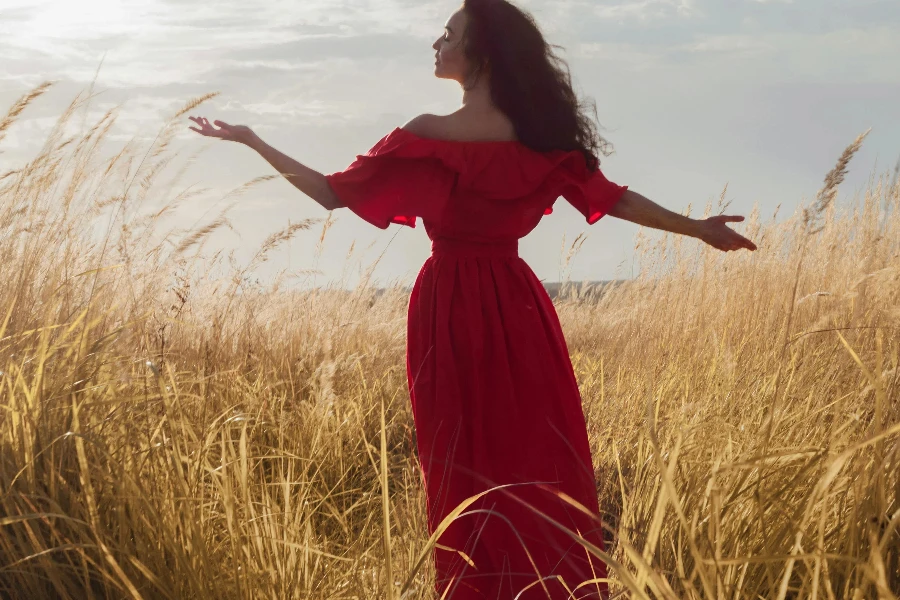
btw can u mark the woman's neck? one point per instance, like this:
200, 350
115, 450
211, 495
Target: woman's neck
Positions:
478, 96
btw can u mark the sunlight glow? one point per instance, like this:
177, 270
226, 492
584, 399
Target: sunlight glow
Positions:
54, 21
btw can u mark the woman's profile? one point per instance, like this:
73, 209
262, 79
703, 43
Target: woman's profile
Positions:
493, 393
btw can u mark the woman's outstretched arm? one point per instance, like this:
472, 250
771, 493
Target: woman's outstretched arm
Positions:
309, 181
638, 209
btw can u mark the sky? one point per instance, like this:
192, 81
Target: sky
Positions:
758, 95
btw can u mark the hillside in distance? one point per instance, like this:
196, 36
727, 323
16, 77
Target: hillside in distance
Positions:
554, 288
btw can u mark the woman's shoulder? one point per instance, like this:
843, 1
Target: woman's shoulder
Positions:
471, 147
459, 127
425, 126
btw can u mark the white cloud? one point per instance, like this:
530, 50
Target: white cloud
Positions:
645, 10
735, 44
850, 55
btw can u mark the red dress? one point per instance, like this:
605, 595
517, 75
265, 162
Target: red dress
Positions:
494, 397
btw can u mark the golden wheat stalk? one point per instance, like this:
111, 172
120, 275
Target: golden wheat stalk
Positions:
200, 234
835, 177
20, 105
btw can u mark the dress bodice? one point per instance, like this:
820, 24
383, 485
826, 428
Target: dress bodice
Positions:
480, 191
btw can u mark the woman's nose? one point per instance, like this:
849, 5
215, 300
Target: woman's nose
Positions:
435, 44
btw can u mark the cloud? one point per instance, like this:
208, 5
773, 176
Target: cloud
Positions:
362, 47
156, 42
285, 62
733, 44
645, 10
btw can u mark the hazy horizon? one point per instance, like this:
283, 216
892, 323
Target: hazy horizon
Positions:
760, 95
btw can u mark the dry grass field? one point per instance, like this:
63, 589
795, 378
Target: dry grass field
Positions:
170, 428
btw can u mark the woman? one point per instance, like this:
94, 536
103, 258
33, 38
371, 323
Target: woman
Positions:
493, 393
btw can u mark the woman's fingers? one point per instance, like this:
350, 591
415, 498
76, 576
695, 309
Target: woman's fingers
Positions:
199, 121
730, 239
202, 122
225, 131
742, 242
745, 243
727, 218
207, 129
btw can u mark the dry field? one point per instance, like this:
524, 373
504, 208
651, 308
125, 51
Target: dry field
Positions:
170, 428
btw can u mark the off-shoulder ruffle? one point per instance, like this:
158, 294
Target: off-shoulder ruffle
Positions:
405, 176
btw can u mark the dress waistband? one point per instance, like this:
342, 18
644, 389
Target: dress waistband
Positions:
468, 248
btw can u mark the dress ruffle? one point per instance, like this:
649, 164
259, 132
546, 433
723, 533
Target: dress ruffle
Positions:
405, 176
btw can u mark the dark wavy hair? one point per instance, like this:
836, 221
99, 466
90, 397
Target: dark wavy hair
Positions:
530, 84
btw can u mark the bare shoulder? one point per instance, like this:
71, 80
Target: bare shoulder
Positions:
425, 125
462, 126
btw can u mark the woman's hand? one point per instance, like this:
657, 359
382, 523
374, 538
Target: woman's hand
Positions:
717, 234
310, 182
232, 133
641, 210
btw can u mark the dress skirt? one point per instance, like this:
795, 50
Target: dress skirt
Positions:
495, 402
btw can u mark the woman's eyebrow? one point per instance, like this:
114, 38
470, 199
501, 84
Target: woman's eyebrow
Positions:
448, 29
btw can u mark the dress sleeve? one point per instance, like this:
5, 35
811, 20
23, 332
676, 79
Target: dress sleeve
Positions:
383, 188
594, 197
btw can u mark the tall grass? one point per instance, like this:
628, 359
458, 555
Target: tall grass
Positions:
171, 429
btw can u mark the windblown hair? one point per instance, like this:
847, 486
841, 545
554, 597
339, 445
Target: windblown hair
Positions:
529, 82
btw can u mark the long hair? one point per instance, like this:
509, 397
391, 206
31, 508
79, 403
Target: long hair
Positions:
530, 84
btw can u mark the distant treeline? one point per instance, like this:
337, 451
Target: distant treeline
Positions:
555, 287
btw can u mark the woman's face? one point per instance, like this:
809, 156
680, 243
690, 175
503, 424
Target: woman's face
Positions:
451, 61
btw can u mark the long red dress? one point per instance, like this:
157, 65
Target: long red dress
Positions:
493, 393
